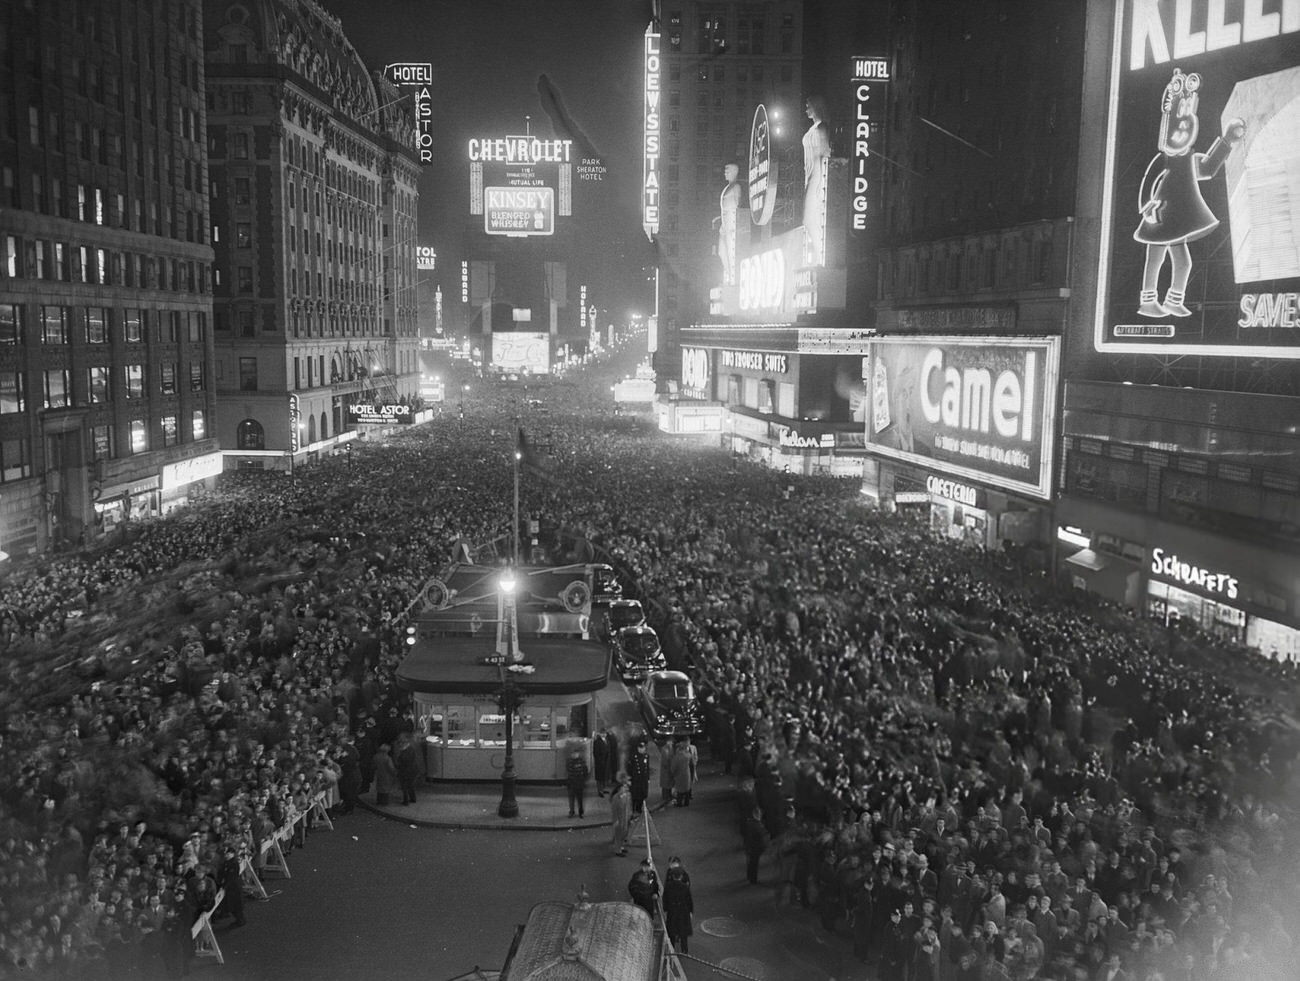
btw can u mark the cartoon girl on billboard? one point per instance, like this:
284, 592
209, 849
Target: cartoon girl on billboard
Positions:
1173, 210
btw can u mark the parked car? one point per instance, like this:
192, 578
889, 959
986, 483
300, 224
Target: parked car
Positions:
637, 653
669, 706
623, 613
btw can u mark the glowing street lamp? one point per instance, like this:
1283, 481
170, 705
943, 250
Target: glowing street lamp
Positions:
508, 647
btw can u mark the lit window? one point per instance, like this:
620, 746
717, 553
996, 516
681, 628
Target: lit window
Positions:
139, 436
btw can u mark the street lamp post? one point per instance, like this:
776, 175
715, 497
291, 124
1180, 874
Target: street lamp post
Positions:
509, 806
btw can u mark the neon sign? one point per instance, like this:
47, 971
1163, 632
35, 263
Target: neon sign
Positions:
418, 75
762, 280
1171, 567
520, 150
869, 74
582, 306
651, 132
762, 169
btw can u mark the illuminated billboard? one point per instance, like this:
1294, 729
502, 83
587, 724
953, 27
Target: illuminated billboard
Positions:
1200, 244
982, 408
762, 169
651, 122
697, 373
521, 352
519, 211
519, 184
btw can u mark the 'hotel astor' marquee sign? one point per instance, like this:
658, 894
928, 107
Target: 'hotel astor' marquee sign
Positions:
417, 76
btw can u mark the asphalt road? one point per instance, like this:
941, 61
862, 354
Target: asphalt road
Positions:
377, 898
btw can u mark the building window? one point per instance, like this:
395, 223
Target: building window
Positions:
243, 235
55, 325
134, 375
196, 322
57, 388
249, 435
139, 436
15, 459
97, 385
13, 393
243, 190
167, 378
198, 425
96, 326
245, 323
11, 323
101, 442
239, 146
11, 256
244, 282
196, 374
248, 374
170, 431
133, 326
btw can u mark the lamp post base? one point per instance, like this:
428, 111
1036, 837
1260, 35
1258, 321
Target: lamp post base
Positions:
509, 806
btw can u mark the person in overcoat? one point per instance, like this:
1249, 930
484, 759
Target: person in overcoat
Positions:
679, 906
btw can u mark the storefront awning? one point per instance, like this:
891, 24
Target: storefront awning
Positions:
1090, 560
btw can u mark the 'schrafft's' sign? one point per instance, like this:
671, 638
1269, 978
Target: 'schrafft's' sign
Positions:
982, 408
417, 76
870, 75
1200, 236
652, 119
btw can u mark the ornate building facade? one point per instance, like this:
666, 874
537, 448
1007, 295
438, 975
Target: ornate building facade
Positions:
314, 196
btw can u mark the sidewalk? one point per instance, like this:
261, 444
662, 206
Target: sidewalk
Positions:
473, 806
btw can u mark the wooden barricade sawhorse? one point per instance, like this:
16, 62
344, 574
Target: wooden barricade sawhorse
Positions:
250, 882
273, 854
318, 816
205, 941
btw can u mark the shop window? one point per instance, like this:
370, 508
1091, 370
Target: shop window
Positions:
97, 384
491, 727
458, 725
535, 729
15, 459
11, 324
13, 393
134, 374
57, 388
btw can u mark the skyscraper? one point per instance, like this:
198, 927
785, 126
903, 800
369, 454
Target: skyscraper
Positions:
106, 396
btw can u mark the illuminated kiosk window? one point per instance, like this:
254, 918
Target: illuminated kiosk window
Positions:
492, 728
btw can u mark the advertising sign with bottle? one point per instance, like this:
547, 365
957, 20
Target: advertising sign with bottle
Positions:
982, 408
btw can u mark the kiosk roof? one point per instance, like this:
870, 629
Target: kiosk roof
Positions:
461, 665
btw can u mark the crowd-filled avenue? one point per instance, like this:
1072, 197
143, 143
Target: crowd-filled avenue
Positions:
963, 769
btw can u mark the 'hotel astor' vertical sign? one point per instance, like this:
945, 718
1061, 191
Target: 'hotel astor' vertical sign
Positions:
653, 119
869, 78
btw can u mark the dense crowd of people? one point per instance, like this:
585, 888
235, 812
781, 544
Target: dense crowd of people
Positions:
977, 773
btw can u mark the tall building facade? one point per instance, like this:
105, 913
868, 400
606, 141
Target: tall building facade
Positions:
1180, 458
106, 358
314, 196
720, 60
979, 148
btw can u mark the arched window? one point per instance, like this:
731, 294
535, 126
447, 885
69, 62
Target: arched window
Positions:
324, 426
250, 435
311, 430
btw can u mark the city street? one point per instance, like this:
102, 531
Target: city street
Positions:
379, 898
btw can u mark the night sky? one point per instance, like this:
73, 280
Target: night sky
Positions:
487, 57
